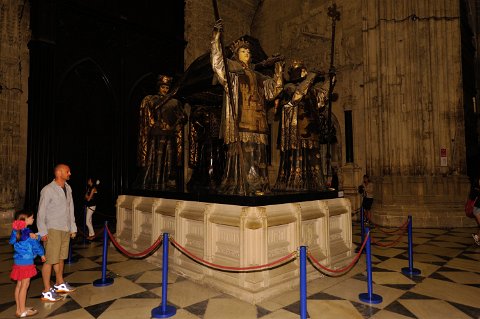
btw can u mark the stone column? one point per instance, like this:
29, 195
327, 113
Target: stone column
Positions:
14, 68
413, 102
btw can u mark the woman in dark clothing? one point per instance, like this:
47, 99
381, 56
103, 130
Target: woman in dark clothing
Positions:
475, 194
91, 205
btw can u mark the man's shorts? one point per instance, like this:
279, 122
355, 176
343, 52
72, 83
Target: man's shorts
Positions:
56, 247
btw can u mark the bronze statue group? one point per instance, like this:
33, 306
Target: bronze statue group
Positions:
228, 145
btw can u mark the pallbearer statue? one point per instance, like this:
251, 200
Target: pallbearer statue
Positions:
160, 140
244, 127
206, 150
302, 131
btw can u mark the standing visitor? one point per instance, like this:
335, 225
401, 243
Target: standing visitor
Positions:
91, 205
366, 190
475, 194
56, 225
26, 246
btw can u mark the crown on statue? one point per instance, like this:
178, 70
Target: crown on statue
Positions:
164, 80
240, 43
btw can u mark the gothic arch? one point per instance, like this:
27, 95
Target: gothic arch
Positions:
85, 124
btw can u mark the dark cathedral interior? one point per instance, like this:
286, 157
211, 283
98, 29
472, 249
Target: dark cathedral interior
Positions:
254, 138
92, 62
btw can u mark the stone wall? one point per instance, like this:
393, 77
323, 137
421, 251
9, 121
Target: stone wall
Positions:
14, 66
199, 20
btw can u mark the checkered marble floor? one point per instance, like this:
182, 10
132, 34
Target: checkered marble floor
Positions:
448, 287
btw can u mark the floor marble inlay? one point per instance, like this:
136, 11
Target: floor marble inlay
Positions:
448, 287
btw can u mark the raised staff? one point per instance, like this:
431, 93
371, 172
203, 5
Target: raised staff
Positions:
334, 14
228, 85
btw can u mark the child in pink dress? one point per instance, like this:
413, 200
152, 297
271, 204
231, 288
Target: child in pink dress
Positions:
26, 247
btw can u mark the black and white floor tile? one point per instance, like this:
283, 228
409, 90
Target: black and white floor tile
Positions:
448, 286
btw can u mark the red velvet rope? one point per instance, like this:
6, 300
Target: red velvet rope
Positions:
401, 228
144, 253
230, 268
344, 269
388, 243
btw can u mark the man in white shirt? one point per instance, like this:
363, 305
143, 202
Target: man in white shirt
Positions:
56, 225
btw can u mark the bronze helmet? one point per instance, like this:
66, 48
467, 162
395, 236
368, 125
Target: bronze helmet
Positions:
295, 70
164, 80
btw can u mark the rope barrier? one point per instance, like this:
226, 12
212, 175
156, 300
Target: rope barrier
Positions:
410, 270
341, 270
402, 228
287, 258
142, 254
104, 281
369, 297
389, 243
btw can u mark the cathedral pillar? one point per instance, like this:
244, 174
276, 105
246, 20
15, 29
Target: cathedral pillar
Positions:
415, 150
14, 66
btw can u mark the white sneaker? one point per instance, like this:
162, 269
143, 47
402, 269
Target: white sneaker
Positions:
50, 296
64, 288
476, 238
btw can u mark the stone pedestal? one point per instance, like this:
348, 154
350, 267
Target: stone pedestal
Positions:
239, 236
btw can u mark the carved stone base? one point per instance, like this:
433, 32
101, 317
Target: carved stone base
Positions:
432, 201
239, 236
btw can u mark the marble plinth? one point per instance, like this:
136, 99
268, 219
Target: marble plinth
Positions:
239, 236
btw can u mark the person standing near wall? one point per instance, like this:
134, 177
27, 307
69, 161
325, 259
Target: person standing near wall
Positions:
56, 225
475, 194
366, 190
91, 205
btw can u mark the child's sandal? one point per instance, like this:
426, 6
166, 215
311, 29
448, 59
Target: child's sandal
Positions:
27, 313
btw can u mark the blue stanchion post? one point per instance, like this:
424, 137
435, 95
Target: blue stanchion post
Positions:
303, 282
104, 281
362, 229
70, 259
410, 270
164, 310
369, 297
